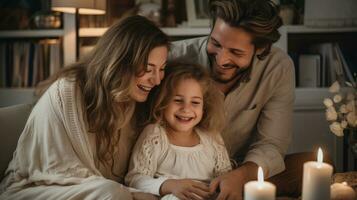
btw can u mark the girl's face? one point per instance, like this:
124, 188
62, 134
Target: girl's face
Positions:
152, 76
185, 108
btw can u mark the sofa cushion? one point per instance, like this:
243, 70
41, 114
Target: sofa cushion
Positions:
12, 122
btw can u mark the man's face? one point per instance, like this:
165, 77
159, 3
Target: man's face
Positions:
230, 50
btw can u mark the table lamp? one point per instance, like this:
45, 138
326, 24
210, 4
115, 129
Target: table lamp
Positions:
83, 7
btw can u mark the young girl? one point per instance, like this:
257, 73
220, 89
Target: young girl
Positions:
182, 151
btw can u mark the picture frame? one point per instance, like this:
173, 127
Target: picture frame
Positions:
197, 13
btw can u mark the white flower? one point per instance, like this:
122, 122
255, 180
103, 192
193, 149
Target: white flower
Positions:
337, 98
351, 119
337, 129
343, 109
331, 114
335, 87
350, 96
328, 102
344, 124
349, 84
350, 106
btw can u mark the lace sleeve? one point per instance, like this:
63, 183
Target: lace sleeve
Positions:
144, 161
222, 160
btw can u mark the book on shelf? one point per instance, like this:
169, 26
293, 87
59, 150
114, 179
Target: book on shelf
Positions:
337, 64
333, 65
2, 63
320, 65
327, 71
346, 66
309, 70
26, 63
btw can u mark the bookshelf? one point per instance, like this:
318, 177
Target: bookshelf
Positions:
30, 38
67, 33
289, 30
44, 33
309, 112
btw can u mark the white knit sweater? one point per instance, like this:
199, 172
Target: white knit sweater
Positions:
56, 150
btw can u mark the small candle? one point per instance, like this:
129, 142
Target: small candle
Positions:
259, 190
341, 191
316, 179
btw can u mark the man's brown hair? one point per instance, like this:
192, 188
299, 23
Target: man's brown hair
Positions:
258, 17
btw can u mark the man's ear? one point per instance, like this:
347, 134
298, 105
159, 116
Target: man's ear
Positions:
260, 50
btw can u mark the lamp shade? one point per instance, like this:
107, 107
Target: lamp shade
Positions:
85, 7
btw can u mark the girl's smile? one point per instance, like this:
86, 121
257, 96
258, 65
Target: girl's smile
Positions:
185, 108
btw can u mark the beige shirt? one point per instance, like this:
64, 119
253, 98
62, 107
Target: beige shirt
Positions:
259, 112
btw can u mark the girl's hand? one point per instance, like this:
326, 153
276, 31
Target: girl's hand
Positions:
185, 189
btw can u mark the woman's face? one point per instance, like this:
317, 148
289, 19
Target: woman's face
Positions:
152, 76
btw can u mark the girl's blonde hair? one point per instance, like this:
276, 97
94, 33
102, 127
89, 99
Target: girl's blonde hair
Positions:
213, 111
105, 75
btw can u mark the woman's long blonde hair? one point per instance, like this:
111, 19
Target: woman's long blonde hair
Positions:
105, 75
213, 111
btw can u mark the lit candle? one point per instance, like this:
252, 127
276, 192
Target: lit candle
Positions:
316, 179
259, 190
341, 191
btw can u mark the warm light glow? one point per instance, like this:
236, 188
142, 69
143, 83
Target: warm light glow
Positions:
82, 11
344, 183
319, 156
64, 9
87, 11
260, 175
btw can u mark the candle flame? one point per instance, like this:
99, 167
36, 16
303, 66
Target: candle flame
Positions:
319, 156
260, 175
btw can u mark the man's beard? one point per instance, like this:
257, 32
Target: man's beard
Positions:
216, 76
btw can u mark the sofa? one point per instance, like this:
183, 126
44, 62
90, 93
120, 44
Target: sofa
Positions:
12, 122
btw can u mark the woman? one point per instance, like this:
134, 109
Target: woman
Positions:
78, 138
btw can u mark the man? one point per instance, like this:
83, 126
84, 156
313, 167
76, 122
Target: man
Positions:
257, 82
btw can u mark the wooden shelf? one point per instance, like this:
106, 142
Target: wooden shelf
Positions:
186, 31
303, 29
91, 32
32, 33
198, 31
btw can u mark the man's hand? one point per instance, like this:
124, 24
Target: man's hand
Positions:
231, 184
144, 196
185, 189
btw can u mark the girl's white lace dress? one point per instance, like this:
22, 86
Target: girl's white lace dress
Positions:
155, 160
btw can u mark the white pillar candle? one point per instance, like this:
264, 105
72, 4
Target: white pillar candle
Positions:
316, 179
259, 190
341, 191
